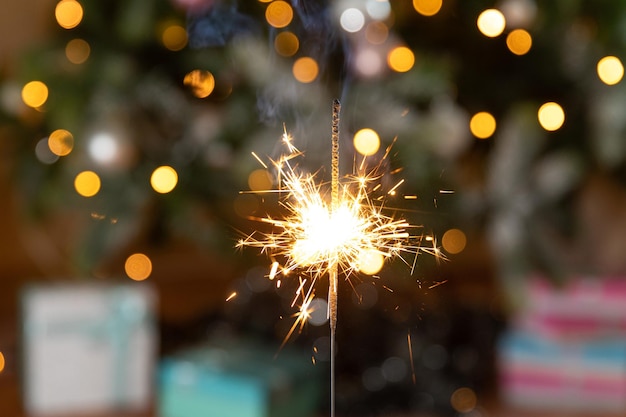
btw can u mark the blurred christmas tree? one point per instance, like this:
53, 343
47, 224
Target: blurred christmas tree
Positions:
196, 85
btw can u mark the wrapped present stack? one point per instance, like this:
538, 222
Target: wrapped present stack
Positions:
239, 378
88, 348
567, 348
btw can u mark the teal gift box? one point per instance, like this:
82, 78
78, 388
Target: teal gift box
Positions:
88, 348
239, 379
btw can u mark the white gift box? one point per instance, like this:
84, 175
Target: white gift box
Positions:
88, 348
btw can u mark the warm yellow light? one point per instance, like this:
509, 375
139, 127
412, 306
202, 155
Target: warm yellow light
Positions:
401, 59
260, 180
519, 41
279, 14
77, 51
61, 142
305, 69
366, 142
164, 179
491, 23
551, 116
35, 94
454, 241
1, 362
376, 32
174, 37
286, 44
610, 70
87, 183
68, 13
371, 262
482, 125
463, 400
138, 267
427, 7
201, 82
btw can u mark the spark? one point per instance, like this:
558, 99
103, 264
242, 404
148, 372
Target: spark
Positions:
436, 284
408, 338
316, 234
231, 296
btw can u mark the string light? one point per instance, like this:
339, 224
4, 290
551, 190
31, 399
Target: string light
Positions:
551, 116
491, 23
610, 70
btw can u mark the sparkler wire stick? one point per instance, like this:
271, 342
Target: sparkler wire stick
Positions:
333, 271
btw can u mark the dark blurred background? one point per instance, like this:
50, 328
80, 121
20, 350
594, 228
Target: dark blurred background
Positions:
508, 129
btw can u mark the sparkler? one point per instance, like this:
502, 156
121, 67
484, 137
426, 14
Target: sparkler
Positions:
349, 234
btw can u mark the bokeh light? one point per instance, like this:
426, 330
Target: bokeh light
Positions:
305, 69
352, 20
61, 142
174, 37
610, 70
87, 183
260, 180
68, 13
519, 41
376, 32
279, 14
77, 51
317, 312
371, 262
201, 82
491, 23
164, 179
2, 362
44, 154
35, 94
138, 267
401, 59
368, 62
286, 43
551, 116
103, 148
366, 142
482, 125
454, 241
427, 7
463, 400
378, 9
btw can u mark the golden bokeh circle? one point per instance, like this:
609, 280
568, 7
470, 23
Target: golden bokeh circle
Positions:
401, 59
454, 241
164, 179
305, 69
279, 14
610, 70
61, 142
68, 13
87, 183
482, 125
366, 142
138, 266
35, 94
551, 116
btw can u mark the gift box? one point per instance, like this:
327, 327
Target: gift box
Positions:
584, 307
239, 380
578, 375
88, 348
